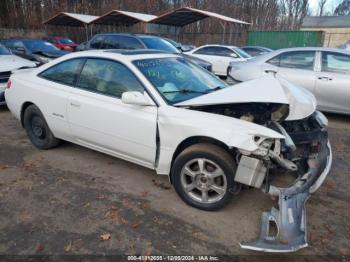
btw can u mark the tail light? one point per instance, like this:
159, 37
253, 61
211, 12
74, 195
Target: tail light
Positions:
9, 84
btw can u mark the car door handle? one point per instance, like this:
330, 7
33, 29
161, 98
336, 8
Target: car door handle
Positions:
325, 78
75, 104
270, 71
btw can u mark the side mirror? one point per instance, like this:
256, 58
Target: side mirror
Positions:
136, 98
234, 55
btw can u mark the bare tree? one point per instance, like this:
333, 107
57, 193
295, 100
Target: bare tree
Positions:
343, 8
321, 6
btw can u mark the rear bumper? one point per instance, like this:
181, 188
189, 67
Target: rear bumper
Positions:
290, 217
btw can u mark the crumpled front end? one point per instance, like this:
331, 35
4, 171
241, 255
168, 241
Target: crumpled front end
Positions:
304, 153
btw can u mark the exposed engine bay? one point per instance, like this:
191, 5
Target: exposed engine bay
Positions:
305, 153
259, 113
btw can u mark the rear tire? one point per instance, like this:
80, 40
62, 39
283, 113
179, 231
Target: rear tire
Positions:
37, 129
203, 176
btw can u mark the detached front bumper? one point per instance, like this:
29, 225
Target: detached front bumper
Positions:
290, 217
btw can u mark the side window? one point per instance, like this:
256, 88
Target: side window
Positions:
128, 42
335, 63
274, 61
96, 42
64, 73
222, 51
110, 42
205, 51
252, 51
298, 60
108, 77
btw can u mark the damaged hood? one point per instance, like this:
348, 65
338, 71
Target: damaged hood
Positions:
269, 89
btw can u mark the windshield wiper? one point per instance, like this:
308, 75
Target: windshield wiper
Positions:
217, 88
184, 91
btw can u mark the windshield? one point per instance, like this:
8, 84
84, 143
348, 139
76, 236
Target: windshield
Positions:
177, 79
37, 46
159, 44
4, 50
65, 41
176, 44
242, 53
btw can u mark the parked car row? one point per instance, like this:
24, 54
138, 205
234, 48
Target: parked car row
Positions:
36, 50
320, 71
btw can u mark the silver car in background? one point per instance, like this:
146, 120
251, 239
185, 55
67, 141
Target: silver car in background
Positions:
323, 71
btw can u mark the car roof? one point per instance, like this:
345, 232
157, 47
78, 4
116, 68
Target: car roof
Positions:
121, 54
256, 46
130, 34
25, 39
217, 45
324, 49
136, 51
150, 36
309, 49
267, 56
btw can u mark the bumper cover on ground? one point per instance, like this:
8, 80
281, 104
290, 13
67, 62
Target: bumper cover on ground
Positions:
290, 217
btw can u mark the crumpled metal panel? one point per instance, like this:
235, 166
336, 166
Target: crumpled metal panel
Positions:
290, 217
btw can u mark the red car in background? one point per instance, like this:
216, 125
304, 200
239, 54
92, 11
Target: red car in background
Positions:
62, 43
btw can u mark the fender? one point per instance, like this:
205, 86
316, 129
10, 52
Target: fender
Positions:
178, 124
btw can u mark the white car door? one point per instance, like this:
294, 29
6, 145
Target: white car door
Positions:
55, 84
333, 83
100, 120
296, 66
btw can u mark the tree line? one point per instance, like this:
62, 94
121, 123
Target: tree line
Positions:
263, 14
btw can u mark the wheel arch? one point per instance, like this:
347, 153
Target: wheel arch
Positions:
23, 109
196, 140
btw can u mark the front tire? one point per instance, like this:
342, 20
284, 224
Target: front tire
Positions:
203, 176
37, 129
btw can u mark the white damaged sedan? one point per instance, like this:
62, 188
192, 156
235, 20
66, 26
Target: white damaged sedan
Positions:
163, 112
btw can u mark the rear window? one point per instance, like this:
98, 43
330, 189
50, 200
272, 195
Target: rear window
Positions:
121, 42
159, 44
39, 46
65, 41
96, 42
242, 53
116, 42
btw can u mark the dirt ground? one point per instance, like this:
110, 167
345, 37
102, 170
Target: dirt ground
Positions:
72, 200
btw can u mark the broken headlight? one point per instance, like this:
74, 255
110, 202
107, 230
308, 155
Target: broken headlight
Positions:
280, 114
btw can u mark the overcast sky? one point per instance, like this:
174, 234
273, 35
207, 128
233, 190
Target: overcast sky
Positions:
330, 6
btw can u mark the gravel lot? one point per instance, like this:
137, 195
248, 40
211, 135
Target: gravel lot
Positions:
64, 201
